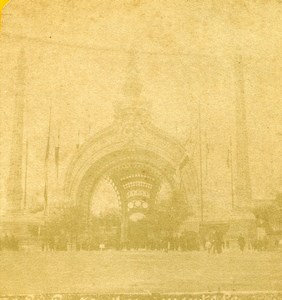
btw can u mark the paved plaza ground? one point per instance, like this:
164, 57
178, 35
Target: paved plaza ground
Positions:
138, 271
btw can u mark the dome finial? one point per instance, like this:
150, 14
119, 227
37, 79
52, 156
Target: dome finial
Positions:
133, 103
132, 87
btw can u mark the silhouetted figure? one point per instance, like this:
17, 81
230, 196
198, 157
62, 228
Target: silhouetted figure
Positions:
208, 246
241, 242
51, 242
218, 242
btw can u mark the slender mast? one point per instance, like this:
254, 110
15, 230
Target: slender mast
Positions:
243, 190
25, 179
231, 173
201, 164
15, 179
207, 153
46, 166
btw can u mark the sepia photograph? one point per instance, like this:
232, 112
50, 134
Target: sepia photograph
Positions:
141, 150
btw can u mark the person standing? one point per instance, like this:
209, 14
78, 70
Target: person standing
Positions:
241, 242
208, 246
218, 242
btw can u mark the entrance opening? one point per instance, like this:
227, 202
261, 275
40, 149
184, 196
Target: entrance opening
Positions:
135, 208
105, 199
138, 231
105, 216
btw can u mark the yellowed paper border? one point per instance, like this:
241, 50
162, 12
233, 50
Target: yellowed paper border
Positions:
2, 5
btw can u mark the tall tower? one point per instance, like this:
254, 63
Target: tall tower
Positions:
14, 183
242, 182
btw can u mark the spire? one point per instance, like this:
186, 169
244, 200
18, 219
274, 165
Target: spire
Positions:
132, 87
14, 183
133, 103
243, 181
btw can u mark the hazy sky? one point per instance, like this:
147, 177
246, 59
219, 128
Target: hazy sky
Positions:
77, 54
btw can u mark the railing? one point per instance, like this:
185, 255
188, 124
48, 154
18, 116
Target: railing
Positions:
154, 296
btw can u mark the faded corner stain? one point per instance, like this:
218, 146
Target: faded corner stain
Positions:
2, 5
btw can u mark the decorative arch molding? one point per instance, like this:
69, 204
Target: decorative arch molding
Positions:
125, 143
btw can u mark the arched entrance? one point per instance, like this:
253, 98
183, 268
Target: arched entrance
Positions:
137, 177
137, 158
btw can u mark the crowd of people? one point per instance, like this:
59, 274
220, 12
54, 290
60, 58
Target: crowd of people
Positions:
9, 242
62, 242
214, 243
262, 244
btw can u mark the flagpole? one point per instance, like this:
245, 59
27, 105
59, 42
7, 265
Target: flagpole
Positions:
46, 166
26, 170
57, 149
231, 173
201, 164
207, 153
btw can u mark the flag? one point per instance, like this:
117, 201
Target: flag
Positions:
48, 141
57, 155
229, 155
45, 197
78, 140
47, 150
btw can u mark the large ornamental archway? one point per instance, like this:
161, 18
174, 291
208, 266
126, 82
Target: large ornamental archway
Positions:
137, 158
